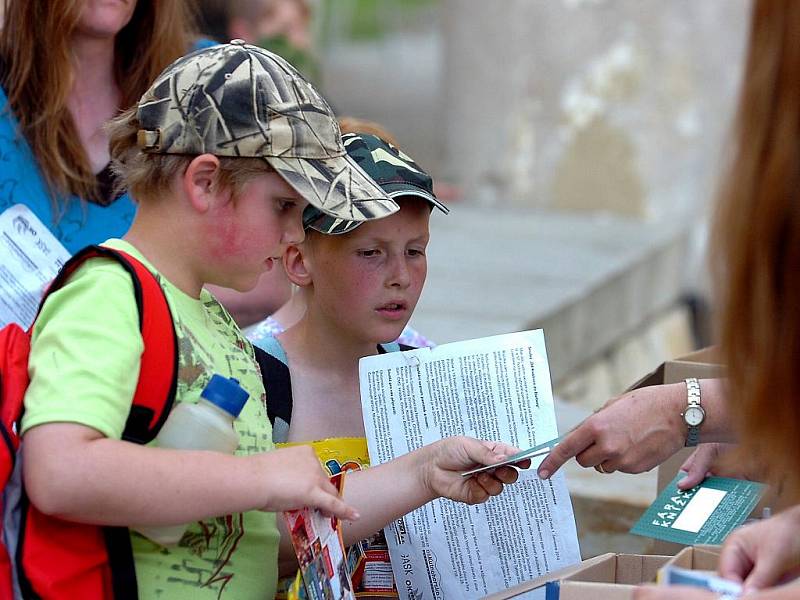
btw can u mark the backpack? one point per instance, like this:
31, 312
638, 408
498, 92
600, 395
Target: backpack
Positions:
45, 557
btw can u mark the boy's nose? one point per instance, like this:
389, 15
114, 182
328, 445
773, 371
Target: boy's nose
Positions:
293, 234
400, 274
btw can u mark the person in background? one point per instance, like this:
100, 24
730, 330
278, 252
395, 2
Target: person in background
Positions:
756, 264
280, 26
67, 67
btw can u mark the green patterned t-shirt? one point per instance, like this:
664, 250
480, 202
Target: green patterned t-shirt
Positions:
84, 365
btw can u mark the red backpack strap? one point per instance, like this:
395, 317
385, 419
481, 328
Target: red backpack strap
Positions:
97, 562
158, 373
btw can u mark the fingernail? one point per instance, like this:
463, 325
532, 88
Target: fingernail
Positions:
544, 474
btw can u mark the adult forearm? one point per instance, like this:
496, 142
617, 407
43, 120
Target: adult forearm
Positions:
718, 425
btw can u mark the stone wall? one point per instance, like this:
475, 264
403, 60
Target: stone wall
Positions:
617, 105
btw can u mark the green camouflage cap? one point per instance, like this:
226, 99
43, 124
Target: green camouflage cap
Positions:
239, 100
390, 167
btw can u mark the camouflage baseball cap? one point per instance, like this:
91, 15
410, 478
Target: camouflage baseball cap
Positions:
390, 167
239, 100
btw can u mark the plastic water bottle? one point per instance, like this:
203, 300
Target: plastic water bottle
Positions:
207, 425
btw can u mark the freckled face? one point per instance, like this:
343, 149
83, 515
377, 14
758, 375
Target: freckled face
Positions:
368, 281
105, 18
248, 234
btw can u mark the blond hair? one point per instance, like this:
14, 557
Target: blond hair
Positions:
356, 125
149, 175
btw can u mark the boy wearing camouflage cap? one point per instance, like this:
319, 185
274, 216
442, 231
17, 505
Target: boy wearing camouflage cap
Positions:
223, 154
360, 283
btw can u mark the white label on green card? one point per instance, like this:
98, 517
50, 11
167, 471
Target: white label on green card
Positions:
699, 509
705, 514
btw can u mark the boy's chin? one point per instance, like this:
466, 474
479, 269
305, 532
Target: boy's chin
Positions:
389, 335
241, 285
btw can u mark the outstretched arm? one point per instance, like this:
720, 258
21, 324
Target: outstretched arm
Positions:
641, 429
384, 493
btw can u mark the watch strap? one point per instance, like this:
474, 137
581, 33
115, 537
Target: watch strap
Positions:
692, 399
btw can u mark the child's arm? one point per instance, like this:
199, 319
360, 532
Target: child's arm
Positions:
384, 493
74, 472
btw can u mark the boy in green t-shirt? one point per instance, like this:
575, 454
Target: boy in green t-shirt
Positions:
223, 154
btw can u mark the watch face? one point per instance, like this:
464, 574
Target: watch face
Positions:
694, 415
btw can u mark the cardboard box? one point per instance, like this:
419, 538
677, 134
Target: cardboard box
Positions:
606, 577
703, 364
696, 558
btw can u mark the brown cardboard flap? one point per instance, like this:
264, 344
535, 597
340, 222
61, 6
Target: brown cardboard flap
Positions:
527, 586
701, 364
634, 569
709, 355
580, 590
609, 573
678, 370
697, 558
630, 569
602, 571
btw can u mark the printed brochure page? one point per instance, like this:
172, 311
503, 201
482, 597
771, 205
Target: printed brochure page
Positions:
31, 258
495, 388
317, 542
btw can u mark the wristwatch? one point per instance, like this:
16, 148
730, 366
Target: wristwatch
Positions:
694, 415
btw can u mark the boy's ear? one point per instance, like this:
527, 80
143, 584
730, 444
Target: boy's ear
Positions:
199, 181
296, 265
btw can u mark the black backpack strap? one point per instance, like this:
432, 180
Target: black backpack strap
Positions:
278, 384
394, 347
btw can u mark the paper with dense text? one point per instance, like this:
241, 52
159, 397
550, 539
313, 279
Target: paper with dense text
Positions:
495, 388
30, 257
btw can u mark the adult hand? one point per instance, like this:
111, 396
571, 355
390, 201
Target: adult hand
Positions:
762, 554
444, 461
700, 464
672, 592
632, 433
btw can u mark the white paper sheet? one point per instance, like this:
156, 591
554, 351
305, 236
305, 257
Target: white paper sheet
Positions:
495, 388
30, 256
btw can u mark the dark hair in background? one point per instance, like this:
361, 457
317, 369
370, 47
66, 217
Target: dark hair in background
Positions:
213, 17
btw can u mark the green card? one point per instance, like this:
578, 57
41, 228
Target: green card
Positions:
704, 514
